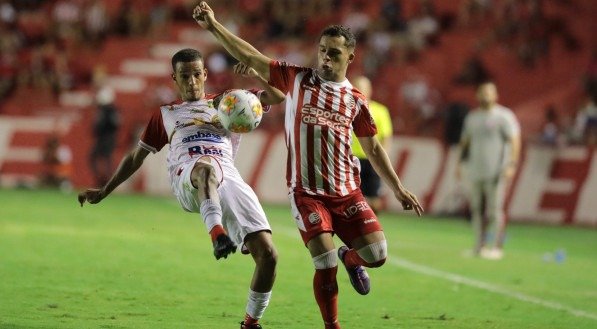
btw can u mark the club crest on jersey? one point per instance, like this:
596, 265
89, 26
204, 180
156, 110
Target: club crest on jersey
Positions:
314, 218
348, 101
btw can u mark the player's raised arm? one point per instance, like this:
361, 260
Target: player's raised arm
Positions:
270, 95
237, 47
381, 163
128, 166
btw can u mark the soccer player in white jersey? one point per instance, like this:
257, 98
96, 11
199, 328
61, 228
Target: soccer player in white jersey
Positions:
322, 109
202, 173
491, 134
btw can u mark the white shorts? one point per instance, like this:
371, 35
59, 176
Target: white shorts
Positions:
241, 211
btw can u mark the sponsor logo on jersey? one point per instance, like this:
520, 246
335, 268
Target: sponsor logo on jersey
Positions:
354, 208
316, 116
197, 110
369, 221
203, 137
314, 218
205, 150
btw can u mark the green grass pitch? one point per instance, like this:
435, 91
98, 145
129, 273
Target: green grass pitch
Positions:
141, 262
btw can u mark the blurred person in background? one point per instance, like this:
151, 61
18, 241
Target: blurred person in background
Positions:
491, 134
57, 164
105, 133
370, 181
322, 110
202, 173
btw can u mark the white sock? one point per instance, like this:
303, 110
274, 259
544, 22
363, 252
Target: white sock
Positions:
256, 303
211, 213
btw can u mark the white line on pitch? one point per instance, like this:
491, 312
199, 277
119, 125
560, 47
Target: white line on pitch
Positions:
430, 271
426, 270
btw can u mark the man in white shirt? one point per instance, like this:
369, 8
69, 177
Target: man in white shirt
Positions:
491, 135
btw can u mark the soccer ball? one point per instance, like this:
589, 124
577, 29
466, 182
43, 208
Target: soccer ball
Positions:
240, 111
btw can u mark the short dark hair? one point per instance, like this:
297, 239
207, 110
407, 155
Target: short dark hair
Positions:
340, 31
186, 55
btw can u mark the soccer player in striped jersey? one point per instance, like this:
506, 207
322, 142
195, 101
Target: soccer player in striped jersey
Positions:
203, 176
322, 110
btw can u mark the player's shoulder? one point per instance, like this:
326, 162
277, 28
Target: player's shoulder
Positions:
356, 93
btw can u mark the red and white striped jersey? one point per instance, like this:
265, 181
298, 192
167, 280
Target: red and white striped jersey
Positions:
192, 129
320, 118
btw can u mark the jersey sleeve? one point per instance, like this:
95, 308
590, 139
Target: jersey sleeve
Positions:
363, 124
513, 127
154, 136
281, 75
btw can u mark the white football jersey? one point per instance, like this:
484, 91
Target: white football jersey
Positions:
489, 133
192, 130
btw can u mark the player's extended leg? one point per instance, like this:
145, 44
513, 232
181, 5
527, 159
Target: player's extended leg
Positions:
369, 250
204, 179
264, 254
325, 286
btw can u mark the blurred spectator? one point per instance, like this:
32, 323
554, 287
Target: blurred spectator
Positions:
585, 125
551, 132
97, 23
473, 12
57, 167
423, 27
8, 14
473, 72
159, 17
422, 98
105, 129
454, 119
590, 75
391, 15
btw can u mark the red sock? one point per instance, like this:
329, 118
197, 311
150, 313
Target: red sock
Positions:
249, 320
352, 259
325, 288
216, 231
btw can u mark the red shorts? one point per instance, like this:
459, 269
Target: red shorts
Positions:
347, 216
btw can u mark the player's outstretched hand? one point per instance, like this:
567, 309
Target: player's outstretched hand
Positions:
92, 195
245, 71
409, 201
204, 15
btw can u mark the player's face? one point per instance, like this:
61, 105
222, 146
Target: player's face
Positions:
190, 79
487, 94
333, 58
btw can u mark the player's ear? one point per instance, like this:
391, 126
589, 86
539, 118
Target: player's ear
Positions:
350, 57
173, 76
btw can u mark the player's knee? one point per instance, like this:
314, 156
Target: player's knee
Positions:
264, 252
374, 254
326, 260
268, 256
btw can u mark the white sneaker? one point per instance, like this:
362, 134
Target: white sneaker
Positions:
492, 254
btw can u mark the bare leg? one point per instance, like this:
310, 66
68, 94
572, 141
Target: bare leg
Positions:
264, 254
